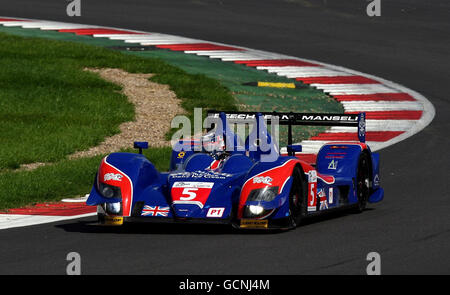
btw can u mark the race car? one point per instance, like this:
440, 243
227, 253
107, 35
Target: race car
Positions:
249, 184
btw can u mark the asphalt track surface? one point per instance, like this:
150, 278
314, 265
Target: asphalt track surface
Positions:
408, 44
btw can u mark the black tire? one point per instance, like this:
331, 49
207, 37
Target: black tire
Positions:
297, 197
362, 181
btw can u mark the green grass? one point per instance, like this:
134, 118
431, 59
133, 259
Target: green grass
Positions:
50, 107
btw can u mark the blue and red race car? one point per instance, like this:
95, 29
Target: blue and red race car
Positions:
221, 179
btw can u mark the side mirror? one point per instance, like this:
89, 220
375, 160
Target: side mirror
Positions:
141, 145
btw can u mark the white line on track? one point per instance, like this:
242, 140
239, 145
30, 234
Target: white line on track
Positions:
158, 40
218, 53
124, 36
19, 220
305, 71
381, 106
378, 125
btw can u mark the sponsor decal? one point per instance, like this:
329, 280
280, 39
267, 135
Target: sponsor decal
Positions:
362, 125
112, 176
215, 212
312, 190
338, 147
376, 180
201, 174
190, 192
330, 195
113, 220
263, 179
192, 184
285, 117
333, 164
233, 116
254, 223
335, 155
328, 118
155, 211
312, 176
323, 200
181, 155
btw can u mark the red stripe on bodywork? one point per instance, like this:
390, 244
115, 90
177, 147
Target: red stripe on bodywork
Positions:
214, 164
337, 80
307, 158
392, 115
375, 97
329, 179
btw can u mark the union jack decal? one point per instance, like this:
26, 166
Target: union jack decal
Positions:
323, 200
155, 211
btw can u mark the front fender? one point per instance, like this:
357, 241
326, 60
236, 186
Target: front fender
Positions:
339, 160
268, 174
132, 173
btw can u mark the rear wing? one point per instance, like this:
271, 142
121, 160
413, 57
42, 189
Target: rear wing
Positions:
290, 119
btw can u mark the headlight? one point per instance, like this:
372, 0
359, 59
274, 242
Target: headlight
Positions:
266, 194
109, 191
258, 212
113, 208
255, 210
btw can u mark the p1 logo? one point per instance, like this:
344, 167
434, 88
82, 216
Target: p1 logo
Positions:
74, 8
215, 212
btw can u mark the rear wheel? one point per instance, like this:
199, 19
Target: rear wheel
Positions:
362, 182
297, 197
